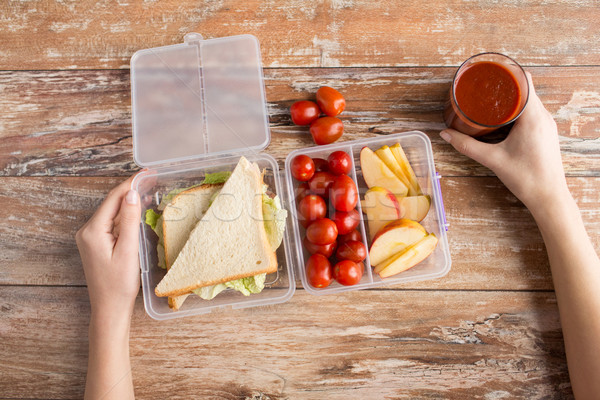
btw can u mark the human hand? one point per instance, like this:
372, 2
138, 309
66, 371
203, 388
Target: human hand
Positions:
528, 161
108, 245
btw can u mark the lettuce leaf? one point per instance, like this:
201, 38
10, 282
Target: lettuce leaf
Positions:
249, 285
151, 218
216, 177
274, 219
209, 292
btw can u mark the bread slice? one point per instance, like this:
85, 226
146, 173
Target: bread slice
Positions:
229, 242
180, 216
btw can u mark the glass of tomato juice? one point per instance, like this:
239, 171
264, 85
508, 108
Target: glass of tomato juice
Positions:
489, 91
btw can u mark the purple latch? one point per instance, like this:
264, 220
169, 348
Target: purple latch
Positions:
439, 192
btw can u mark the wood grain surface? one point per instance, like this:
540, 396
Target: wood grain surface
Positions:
79, 122
391, 343
99, 34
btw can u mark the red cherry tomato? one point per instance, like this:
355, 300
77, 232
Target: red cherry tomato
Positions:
330, 101
362, 267
346, 222
312, 207
351, 250
347, 272
321, 164
322, 231
304, 112
301, 191
326, 130
339, 162
325, 249
302, 167
318, 271
354, 235
344, 194
321, 183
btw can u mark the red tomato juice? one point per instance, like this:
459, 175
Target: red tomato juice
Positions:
486, 96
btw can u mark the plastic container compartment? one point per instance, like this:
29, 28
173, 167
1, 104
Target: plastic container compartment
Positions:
197, 107
157, 182
418, 150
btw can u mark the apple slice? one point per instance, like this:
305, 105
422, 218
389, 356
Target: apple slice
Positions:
393, 238
409, 257
402, 160
415, 207
388, 158
381, 207
376, 173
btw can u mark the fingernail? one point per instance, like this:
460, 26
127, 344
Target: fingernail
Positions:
446, 136
131, 197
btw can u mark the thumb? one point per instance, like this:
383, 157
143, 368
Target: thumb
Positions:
483, 153
129, 226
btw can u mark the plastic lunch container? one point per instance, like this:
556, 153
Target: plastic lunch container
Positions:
197, 107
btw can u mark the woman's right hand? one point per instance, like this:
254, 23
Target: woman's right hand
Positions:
528, 161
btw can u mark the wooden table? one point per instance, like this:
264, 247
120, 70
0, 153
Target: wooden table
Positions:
489, 329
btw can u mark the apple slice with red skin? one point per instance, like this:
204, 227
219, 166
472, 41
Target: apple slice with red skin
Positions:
406, 168
381, 207
409, 257
394, 238
388, 159
415, 207
376, 173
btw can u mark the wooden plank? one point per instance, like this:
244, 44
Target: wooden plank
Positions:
369, 344
79, 122
91, 34
40, 217
493, 239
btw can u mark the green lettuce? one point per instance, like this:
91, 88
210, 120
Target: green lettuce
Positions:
154, 220
216, 177
274, 219
247, 286
209, 292
151, 218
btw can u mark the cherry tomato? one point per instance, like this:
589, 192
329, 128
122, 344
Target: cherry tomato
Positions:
326, 130
351, 250
322, 231
347, 272
339, 162
321, 164
354, 235
301, 191
346, 222
302, 167
304, 112
312, 207
321, 183
318, 271
325, 249
330, 101
344, 194
362, 267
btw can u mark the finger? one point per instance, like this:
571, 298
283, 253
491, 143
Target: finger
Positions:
115, 232
110, 206
534, 110
483, 153
129, 226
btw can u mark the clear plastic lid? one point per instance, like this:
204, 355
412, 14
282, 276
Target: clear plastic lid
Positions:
199, 98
